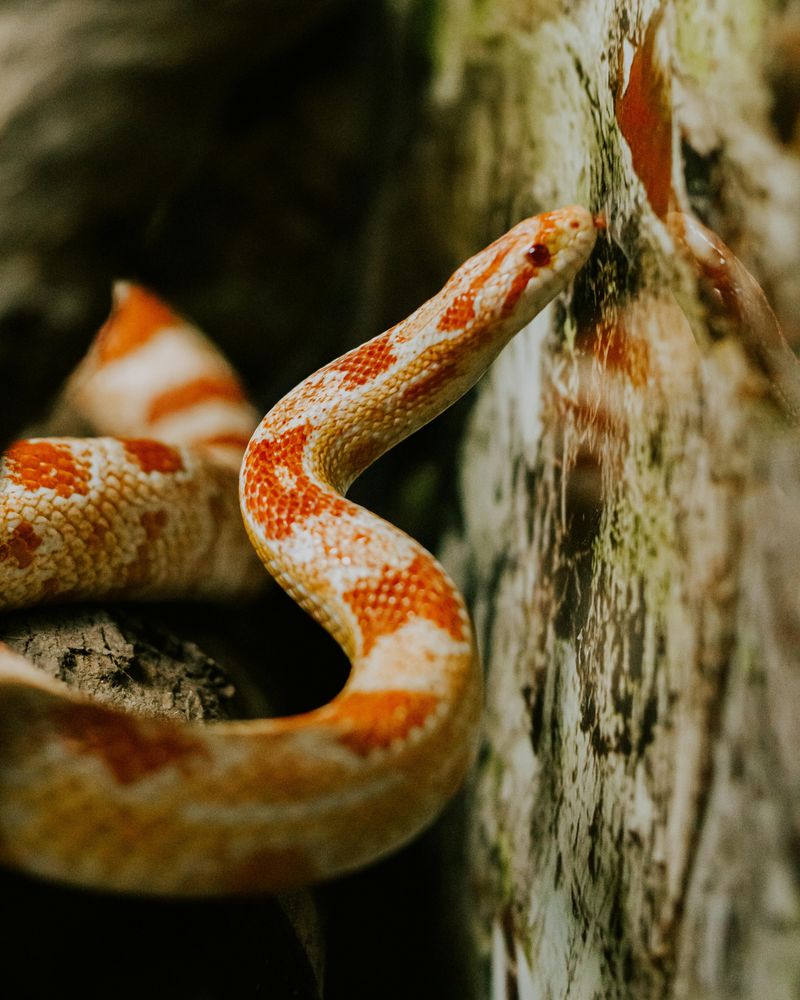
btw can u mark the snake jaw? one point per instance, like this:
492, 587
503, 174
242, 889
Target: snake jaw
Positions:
503, 287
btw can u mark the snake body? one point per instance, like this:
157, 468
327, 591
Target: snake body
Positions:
91, 795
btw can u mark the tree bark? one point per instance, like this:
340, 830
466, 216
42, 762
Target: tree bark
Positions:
630, 489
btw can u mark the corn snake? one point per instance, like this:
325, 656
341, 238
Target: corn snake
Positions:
93, 796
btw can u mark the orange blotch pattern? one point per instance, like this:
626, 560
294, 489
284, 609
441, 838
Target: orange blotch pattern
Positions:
20, 546
132, 323
152, 456
278, 490
460, 311
198, 391
365, 363
385, 603
644, 114
38, 465
363, 451
378, 718
518, 286
138, 571
462, 308
122, 742
96, 534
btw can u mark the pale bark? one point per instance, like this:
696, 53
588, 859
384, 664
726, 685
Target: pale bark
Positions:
631, 535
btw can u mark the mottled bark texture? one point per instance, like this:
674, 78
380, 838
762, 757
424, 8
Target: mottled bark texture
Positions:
630, 490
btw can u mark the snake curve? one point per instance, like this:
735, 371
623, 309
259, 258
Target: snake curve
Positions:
98, 797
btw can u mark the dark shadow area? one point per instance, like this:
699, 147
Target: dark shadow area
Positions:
63, 942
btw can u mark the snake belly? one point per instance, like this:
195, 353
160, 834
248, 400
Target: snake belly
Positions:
98, 797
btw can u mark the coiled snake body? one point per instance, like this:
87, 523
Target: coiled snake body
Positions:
92, 795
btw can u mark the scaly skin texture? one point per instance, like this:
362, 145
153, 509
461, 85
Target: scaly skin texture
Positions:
94, 796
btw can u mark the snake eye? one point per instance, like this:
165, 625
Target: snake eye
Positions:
538, 254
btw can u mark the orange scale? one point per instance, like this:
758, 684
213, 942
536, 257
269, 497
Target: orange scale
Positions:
376, 719
271, 464
38, 465
460, 311
518, 286
152, 456
122, 742
97, 536
433, 600
227, 440
366, 363
21, 545
427, 385
153, 522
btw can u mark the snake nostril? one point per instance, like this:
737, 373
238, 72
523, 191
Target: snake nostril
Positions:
538, 254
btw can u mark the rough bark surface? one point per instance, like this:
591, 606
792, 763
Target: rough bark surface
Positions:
113, 657
630, 490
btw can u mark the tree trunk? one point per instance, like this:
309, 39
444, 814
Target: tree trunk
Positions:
630, 494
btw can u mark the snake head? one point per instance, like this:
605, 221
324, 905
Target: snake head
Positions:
505, 285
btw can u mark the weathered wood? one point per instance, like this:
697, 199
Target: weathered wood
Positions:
629, 495
123, 660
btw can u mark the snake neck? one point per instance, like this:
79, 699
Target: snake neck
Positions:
356, 574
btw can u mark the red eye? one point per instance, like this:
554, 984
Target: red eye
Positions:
539, 255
